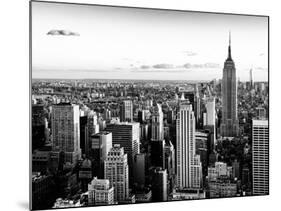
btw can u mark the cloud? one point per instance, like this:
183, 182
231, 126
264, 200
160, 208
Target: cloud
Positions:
261, 68
189, 53
127, 59
187, 65
261, 54
158, 70
63, 33
163, 66
144, 67
199, 66
211, 65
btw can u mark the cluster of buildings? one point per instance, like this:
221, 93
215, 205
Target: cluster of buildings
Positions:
144, 149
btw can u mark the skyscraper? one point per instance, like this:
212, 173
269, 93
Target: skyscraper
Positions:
202, 149
101, 143
260, 157
211, 112
157, 138
170, 164
251, 79
100, 192
126, 111
159, 184
140, 168
229, 124
38, 126
85, 174
92, 127
211, 121
66, 131
83, 134
197, 106
116, 171
191, 94
157, 153
88, 127
157, 127
189, 169
128, 136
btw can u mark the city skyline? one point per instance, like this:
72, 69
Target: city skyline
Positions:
150, 44
124, 133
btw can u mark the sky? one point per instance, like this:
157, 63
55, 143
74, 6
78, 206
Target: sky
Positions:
97, 42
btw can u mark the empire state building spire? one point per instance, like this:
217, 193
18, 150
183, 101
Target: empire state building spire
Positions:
229, 122
229, 48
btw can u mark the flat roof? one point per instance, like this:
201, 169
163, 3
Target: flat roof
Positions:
260, 122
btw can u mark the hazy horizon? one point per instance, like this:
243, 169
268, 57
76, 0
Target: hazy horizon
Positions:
128, 43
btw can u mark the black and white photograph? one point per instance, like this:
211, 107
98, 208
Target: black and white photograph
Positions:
138, 105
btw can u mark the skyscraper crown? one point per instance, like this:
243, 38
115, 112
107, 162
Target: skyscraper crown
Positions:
229, 49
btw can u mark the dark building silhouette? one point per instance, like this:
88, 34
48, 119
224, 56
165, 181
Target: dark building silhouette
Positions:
157, 154
38, 126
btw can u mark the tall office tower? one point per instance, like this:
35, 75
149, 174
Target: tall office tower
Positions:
85, 174
66, 131
100, 192
229, 124
83, 134
211, 112
170, 116
157, 138
126, 111
202, 149
92, 123
43, 191
144, 132
159, 184
140, 168
92, 127
197, 106
189, 169
101, 143
251, 79
116, 171
38, 114
107, 114
88, 127
211, 121
192, 96
128, 136
260, 157
141, 116
38, 126
157, 153
157, 127
102, 124
166, 133
170, 165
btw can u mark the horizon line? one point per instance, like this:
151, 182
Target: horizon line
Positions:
141, 79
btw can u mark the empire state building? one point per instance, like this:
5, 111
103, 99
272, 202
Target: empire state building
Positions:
229, 124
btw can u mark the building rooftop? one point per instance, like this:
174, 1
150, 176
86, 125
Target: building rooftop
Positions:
260, 122
101, 133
